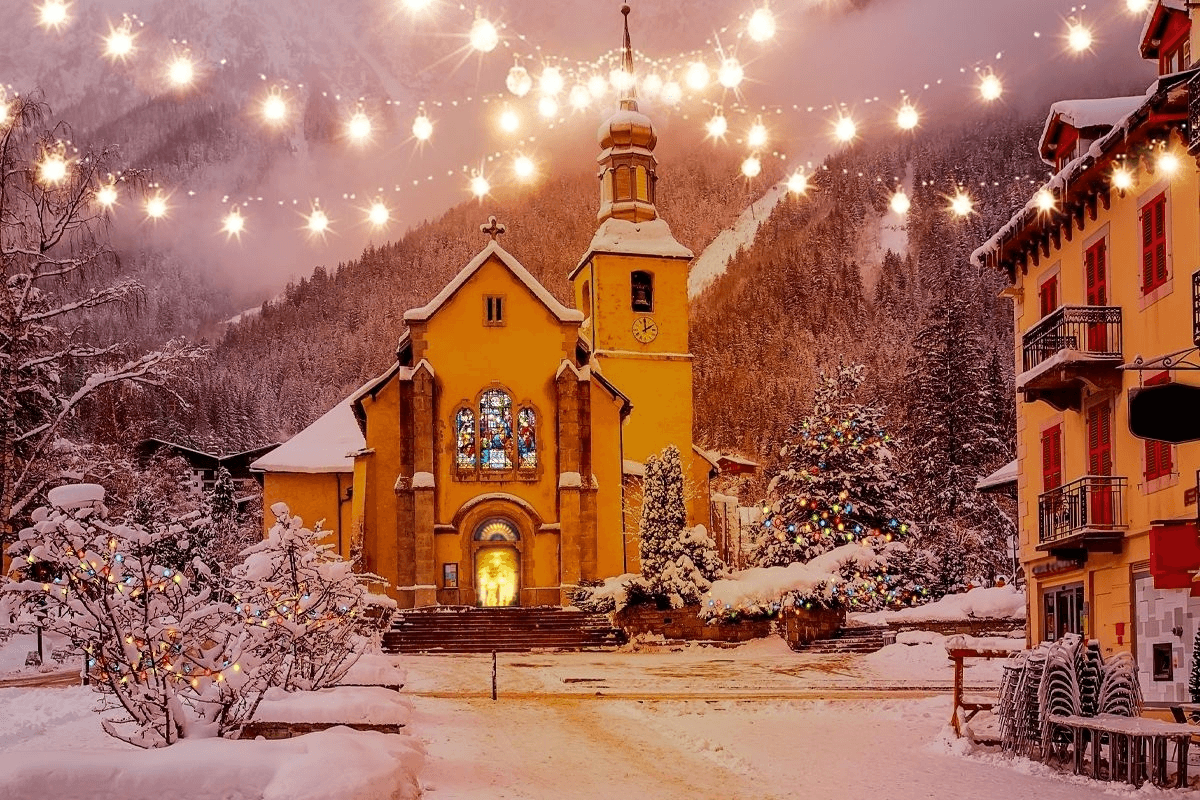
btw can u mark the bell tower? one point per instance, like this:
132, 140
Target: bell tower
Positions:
631, 286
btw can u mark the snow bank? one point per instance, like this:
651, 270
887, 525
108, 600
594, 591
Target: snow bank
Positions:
375, 670
367, 705
762, 589
76, 495
1001, 602
368, 765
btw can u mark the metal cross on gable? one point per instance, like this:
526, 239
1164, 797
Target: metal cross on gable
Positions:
493, 228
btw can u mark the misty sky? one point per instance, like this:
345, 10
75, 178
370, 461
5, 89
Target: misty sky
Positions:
824, 53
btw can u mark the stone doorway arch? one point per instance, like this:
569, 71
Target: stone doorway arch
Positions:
495, 529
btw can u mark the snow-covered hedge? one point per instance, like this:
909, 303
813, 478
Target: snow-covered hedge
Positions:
764, 590
999, 602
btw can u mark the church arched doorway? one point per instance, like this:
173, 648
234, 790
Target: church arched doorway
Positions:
497, 563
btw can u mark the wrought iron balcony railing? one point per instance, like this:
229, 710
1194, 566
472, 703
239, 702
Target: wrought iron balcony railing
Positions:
1092, 503
1194, 114
1196, 308
1094, 331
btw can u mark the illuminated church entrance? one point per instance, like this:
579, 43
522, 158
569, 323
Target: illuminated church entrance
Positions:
497, 568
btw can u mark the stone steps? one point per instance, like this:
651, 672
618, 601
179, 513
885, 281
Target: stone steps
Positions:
508, 630
848, 641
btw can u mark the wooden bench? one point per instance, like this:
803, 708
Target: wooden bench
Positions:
1137, 746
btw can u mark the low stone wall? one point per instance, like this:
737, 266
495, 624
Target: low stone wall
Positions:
288, 730
684, 624
801, 626
967, 627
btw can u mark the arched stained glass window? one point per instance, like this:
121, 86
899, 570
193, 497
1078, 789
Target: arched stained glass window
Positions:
527, 438
497, 530
495, 430
464, 425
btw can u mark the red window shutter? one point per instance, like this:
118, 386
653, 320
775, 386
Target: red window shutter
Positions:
1154, 243
1048, 295
1158, 454
1095, 269
1051, 458
1099, 439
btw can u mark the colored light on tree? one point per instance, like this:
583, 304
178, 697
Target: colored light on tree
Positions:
106, 196
961, 204
761, 26
53, 169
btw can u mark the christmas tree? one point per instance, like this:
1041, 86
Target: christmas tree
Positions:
837, 482
678, 563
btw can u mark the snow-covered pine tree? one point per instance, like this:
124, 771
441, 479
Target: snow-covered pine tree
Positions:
678, 563
957, 435
227, 534
837, 462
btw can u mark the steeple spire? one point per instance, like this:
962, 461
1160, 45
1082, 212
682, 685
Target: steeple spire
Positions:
628, 169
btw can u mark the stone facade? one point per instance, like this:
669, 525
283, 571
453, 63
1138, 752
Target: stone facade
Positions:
684, 624
801, 626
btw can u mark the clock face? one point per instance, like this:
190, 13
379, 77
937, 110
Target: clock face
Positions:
645, 329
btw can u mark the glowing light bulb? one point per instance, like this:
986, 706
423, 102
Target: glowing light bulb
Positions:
523, 167
797, 183
907, 117
961, 204
1137, 6
550, 82
652, 85
181, 72
597, 85
509, 120
697, 76
156, 207
234, 224
318, 222
518, 81
717, 126
1167, 163
417, 5
274, 108
845, 129
119, 42
1122, 179
730, 73
672, 93
480, 186
1044, 200
900, 204
752, 167
53, 14
483, 36
579, 97
378, 214
761, 26
106, 196
547, 106
990, 87
53, 169
359, 127
1079, 38
621, 80
757, 137
422, 127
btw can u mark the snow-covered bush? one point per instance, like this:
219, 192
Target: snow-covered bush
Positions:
152, 640
678, 563
313, 606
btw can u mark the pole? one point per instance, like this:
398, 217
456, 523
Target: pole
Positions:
493, 674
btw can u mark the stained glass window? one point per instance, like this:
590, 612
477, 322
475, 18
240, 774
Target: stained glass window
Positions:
527, 438
495, 430
464, 425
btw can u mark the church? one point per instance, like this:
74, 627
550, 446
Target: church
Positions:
498, 461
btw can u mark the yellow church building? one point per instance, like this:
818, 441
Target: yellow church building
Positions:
497, 462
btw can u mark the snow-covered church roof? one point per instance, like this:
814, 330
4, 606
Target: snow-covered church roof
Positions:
325, 446
620, 236
506, 258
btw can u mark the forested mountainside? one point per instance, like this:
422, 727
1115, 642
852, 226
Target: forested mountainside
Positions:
283, 366
801, 298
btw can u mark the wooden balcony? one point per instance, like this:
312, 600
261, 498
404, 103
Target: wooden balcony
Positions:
1073, 348
1084, 516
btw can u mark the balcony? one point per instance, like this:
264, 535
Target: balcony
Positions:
1070, 349
1194, 114
1196, 308
1083, 516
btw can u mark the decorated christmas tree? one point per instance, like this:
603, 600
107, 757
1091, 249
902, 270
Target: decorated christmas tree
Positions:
678, 563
